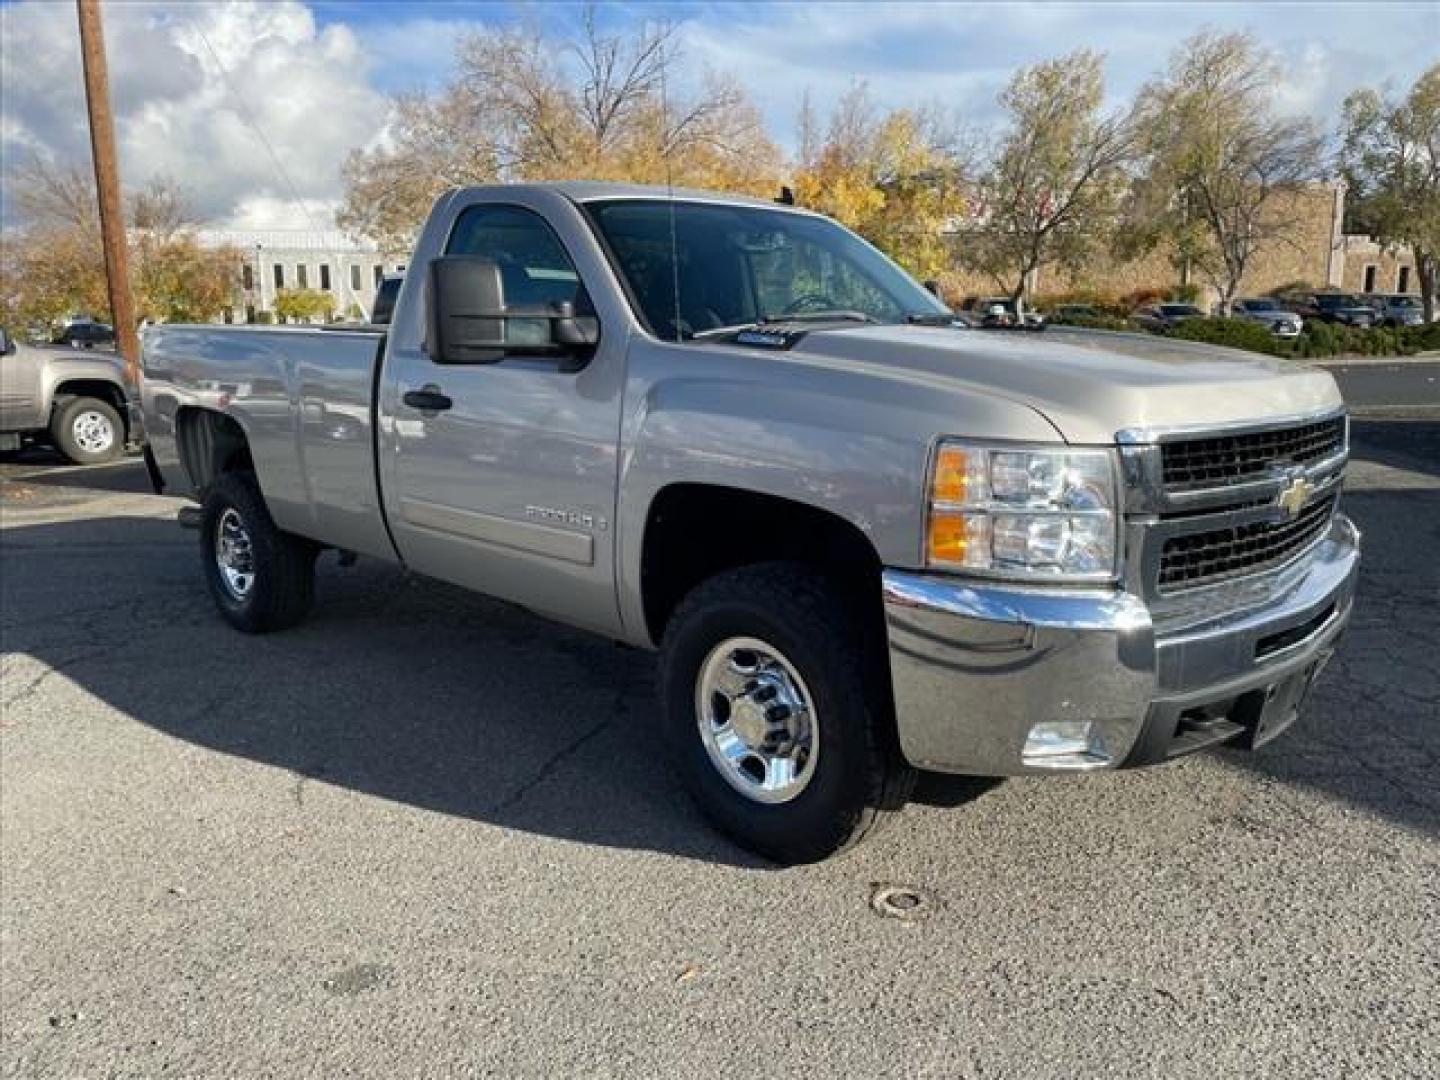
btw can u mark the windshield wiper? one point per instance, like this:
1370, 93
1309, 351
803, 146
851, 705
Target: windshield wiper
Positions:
934, 318
839, 315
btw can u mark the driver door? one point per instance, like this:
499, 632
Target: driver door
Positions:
510, 488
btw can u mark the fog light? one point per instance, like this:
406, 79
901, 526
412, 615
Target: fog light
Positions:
1065, 744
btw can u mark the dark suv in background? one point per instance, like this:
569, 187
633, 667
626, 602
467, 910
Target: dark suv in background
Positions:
1339, 308
85, 334
1161, 317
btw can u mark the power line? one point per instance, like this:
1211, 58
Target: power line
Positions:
249, 119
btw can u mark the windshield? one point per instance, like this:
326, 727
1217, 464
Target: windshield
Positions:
1403, 302
738, 265
1261, 305
1179, 309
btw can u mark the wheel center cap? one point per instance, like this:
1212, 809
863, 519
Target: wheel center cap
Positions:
748, 720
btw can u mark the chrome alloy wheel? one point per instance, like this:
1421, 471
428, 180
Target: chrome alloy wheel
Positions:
93, 431
757, 720
233, 554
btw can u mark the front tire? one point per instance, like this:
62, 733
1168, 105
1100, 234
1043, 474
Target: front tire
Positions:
88, 431
261, 577
777, 712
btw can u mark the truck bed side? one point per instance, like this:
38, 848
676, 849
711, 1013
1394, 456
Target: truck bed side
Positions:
303, 397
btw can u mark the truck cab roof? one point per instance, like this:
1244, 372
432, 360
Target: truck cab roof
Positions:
587, 191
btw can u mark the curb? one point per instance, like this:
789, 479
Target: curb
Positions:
1357, 360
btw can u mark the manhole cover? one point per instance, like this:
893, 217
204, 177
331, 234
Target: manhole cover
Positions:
904, 902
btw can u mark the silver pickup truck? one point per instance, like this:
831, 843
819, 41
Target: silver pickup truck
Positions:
864, 539
75, 400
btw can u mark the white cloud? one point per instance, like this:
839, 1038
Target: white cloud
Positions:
315, 90
190, 83
961, 55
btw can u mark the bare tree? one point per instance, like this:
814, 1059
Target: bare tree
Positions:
430, 144
49, 194
53, 263
1222, 172
1054, 183
1390, 157
527, 105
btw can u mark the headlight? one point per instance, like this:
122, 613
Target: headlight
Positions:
1015, 512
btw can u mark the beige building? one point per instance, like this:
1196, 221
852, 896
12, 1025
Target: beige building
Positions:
1370, 268
327, 260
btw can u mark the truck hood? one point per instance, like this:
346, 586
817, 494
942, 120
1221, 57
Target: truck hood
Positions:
1088, 384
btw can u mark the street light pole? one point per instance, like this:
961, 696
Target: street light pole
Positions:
107, 186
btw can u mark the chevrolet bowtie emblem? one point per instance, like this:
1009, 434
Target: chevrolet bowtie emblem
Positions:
1294, 495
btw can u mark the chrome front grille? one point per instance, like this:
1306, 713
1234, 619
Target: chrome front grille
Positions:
1204, 558
1217, 460
1227, 507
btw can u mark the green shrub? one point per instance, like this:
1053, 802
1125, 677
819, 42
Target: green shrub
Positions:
1421, 338
1322, 337
1097, 322
1234, 333
1317, 341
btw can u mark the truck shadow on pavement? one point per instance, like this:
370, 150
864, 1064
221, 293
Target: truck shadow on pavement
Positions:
413, 691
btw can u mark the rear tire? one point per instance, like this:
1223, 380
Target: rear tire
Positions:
785, 626
261, 577
88, 431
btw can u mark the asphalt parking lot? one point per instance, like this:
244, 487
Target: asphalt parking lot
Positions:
427, 834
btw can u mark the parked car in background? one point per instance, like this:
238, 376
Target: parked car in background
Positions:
863, 542
1397, 309
75, 401
995, 312
1336, 307
1161, 317
1268, 312
85, 334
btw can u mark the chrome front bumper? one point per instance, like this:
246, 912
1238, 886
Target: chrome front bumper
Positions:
976, 668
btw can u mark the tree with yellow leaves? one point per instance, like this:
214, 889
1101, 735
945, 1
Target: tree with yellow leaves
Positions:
1056, 176
895, 177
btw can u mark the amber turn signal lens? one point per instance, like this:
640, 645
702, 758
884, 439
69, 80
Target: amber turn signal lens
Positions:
953, 469
949, 538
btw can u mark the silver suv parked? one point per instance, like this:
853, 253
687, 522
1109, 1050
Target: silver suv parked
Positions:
1397, 309
1267, 312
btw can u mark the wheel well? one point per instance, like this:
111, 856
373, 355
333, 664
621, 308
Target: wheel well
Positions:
104, 391
210, 444
695, 531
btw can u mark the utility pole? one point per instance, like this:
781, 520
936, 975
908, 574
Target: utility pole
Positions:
107, 186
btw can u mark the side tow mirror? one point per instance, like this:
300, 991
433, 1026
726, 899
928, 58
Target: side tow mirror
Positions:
470, 323
465, 310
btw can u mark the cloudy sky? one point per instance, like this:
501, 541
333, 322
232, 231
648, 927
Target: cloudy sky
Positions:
193, 81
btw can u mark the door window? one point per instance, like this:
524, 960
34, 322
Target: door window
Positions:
533, 266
